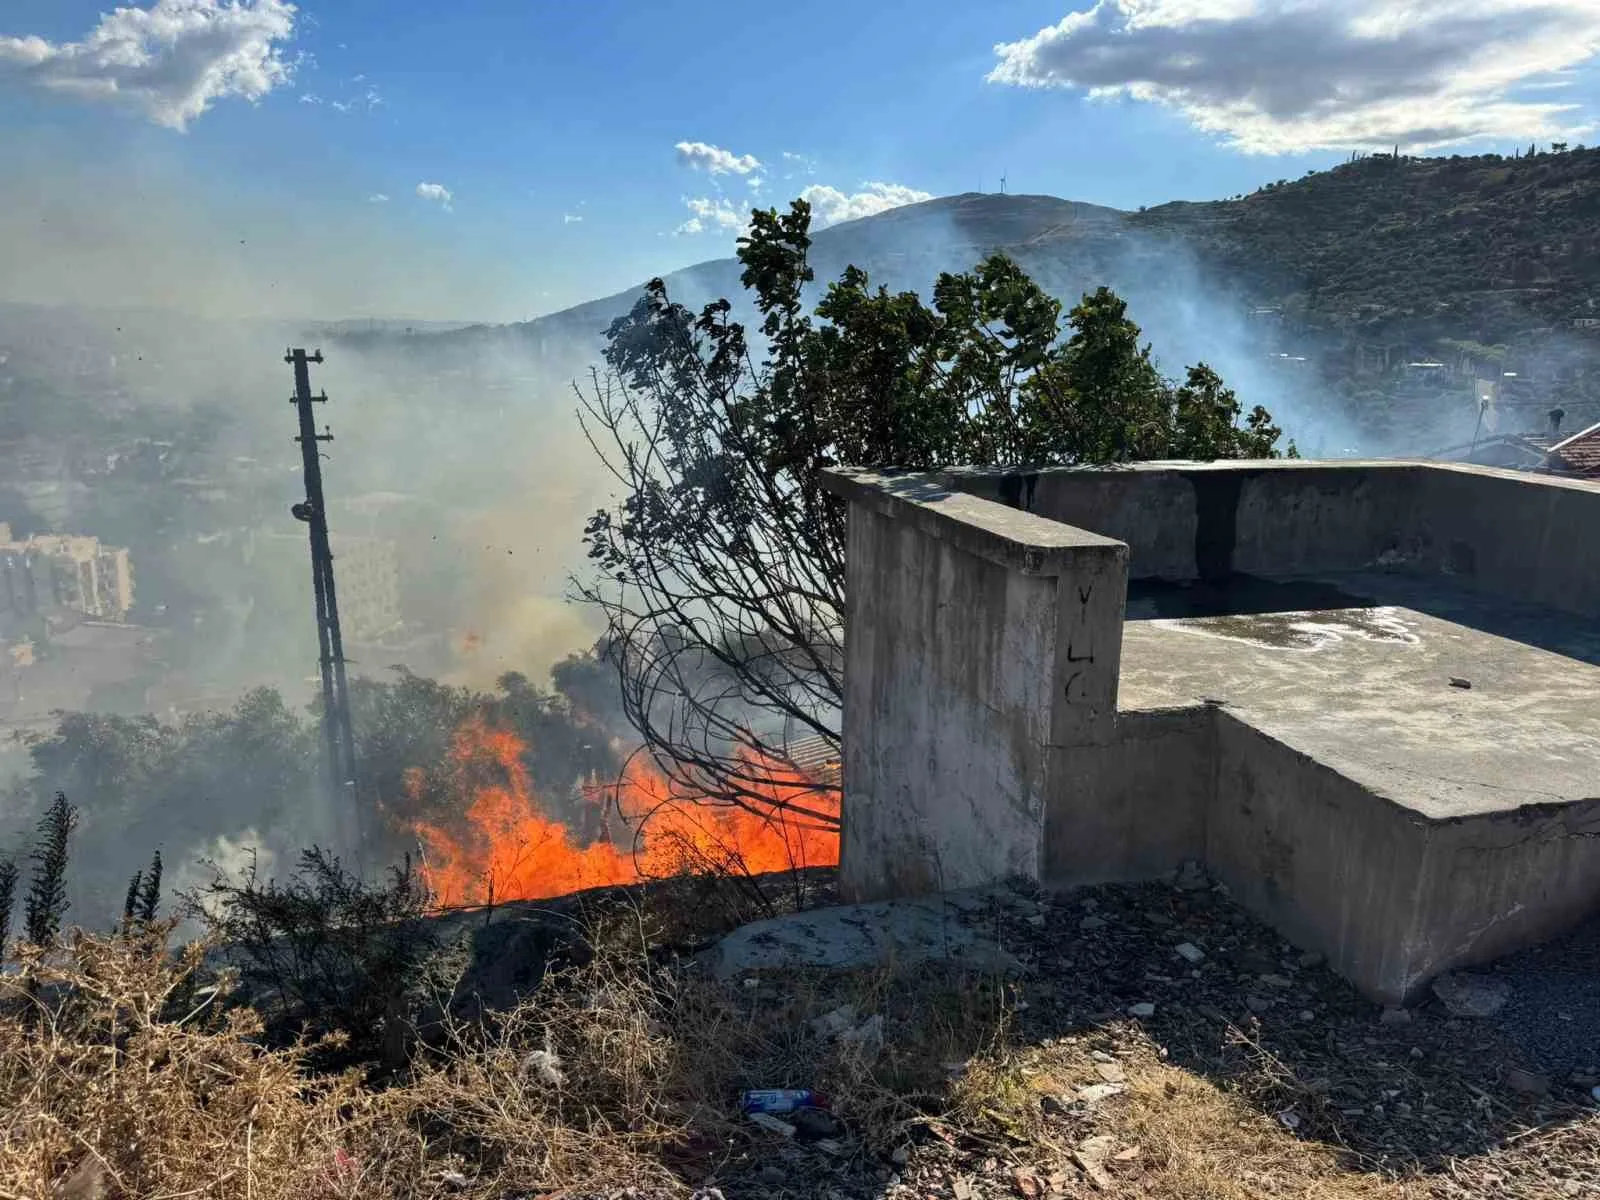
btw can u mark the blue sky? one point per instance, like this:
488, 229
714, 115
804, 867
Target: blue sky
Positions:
234, 150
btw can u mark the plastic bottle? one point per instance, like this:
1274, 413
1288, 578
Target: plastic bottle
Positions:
780, 1100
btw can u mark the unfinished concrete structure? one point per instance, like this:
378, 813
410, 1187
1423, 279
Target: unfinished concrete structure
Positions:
1366, 695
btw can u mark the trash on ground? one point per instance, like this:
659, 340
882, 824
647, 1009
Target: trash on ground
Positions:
780, 1100
771, 1124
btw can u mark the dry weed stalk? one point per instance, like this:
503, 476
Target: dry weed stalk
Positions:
568, 1089
108, 1079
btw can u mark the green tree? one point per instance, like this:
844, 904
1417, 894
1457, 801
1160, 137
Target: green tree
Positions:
144, 781
721, 571
47, 900
1206, 420
144, 896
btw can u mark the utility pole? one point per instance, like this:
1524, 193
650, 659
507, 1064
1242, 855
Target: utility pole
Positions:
336, 725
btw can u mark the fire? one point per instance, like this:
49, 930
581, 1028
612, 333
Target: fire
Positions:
509, 848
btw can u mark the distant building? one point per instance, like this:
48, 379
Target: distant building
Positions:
1577, 455
1547, 452
366, 574
56, 570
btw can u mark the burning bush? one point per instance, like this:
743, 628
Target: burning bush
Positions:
507, 846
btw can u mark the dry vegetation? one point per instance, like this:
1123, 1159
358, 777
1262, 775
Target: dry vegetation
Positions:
125, 1071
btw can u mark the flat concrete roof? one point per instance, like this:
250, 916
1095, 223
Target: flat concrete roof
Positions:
1356, 670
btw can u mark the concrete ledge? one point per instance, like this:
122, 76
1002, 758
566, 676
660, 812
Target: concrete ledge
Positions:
1392, 898
1009, 537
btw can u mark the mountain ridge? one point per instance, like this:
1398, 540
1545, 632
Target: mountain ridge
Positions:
1409, 248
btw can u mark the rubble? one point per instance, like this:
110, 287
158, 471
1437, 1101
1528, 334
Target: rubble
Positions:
850, 936
1111, 1072
831, 1024
1091, 1156
1096, 1092
1472, 996
771, 1124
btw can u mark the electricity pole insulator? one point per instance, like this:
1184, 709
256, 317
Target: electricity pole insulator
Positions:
336, 724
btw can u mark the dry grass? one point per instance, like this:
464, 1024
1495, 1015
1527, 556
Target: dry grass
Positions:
119, 1077
101, 1080
1170, 1136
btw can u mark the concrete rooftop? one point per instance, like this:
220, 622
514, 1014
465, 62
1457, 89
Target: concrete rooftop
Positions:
1366, 695
1355, 671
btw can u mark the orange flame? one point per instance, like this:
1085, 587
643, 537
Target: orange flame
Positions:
509, 848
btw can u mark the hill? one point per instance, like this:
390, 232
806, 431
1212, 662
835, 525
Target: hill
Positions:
1485, 247
1480, 248
1311, 296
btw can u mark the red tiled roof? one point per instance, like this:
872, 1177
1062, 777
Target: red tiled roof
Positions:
817, 758
1579, 454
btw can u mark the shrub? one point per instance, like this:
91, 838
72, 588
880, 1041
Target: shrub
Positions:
327, 951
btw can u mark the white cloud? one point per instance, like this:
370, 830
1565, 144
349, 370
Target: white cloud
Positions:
310, 98
830, 206
714, 213
435, 192
800, 164
1277, 76
715, 160
377, 198
571, 218
366, 102
168, 62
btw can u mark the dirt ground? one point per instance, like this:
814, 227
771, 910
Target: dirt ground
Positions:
1158, 1041
1131, 1043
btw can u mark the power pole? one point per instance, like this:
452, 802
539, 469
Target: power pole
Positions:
336, 725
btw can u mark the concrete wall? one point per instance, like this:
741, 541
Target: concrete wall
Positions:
1503, 881
1132, 806
1505, 533
1317, 856
1392, 898
966, 623
1510, 535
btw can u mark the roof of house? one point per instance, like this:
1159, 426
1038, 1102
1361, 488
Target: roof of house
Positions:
1580, 453
816, 757
1535, 446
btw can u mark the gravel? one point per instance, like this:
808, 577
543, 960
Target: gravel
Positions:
1554, 1012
